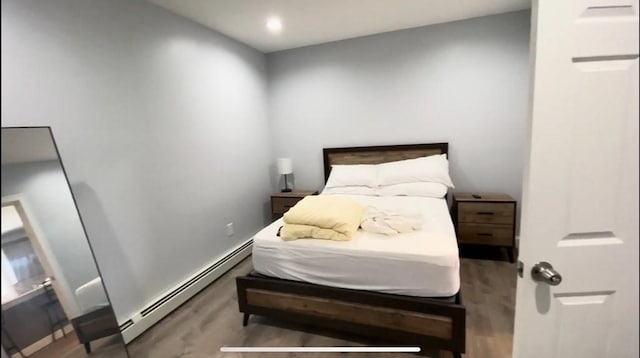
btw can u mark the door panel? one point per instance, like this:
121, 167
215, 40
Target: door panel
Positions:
595, 142
597, 308
580, 193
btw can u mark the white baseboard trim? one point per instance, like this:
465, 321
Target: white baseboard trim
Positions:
45, 341
176, 296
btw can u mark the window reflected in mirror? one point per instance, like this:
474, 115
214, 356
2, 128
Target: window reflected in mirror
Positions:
22, 271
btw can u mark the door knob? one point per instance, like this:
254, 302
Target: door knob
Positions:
544, 272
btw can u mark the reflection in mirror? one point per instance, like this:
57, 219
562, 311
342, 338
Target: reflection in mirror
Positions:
53, 301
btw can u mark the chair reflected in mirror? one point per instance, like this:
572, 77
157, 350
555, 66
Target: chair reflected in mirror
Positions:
53, 299
57, 318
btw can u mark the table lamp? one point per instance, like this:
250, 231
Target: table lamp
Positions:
285, 167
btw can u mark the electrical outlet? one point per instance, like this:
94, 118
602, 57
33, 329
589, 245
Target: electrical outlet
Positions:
230, 229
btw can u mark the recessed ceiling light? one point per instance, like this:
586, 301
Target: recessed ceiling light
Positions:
274, 24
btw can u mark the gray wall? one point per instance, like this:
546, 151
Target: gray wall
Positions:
46, 190
161, 125
463, 82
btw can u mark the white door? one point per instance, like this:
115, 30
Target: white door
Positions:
580, 194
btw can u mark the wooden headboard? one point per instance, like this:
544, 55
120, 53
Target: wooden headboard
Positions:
379, 154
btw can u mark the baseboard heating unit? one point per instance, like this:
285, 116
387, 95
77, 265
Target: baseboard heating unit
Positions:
175, 297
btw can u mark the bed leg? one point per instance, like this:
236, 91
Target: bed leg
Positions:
511, 253
245, 319
456, 354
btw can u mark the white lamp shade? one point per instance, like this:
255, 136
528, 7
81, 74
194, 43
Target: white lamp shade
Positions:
285, 166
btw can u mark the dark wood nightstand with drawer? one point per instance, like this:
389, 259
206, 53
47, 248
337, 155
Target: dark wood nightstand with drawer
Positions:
487, 220
282, 202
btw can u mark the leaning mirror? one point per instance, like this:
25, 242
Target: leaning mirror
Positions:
53, 301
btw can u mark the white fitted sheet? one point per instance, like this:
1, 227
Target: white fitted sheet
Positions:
422, 263
91, 295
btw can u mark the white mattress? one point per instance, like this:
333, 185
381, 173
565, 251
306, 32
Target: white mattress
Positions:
422, 263
91, 295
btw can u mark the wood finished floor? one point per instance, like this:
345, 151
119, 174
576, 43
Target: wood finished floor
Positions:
69, 347
211, 320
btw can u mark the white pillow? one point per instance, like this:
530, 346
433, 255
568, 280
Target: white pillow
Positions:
352, 175
349, 190
434, 169
431, 190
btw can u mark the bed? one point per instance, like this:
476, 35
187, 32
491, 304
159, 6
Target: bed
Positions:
97, 319
368, 285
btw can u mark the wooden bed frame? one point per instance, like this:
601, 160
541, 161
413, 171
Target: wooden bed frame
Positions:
429, 323
95, 325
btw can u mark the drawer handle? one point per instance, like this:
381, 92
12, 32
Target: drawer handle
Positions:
485, 213
484, 234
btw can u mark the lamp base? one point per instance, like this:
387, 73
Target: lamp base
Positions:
287, 190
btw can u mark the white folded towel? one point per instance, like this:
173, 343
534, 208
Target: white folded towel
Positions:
388, 222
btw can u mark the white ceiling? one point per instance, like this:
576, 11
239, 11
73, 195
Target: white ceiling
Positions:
21, 145
310, 22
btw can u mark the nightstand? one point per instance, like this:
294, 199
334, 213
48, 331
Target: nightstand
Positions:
282, 202
488, 220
